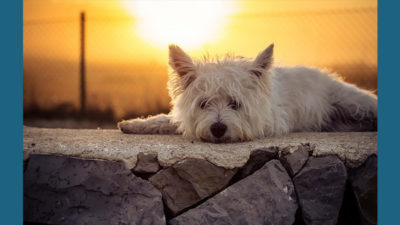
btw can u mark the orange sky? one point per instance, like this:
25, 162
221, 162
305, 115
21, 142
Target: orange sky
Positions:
315, 32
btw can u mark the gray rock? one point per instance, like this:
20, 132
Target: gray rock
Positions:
146, 163
320, 186
265, 197
364, 184
189, 181
66, 190
293, 162
257, 159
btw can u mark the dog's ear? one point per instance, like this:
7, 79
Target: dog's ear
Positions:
184, 69
180, 61
263, 61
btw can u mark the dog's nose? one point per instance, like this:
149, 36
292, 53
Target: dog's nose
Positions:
218, 129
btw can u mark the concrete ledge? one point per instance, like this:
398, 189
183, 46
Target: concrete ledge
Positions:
351, 148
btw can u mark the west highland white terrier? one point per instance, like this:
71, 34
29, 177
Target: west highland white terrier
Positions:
233, 99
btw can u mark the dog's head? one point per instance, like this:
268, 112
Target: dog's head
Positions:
220, 100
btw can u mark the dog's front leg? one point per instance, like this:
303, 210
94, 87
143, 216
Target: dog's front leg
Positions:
159, 124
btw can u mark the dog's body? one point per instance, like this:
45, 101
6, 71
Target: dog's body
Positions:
236, 99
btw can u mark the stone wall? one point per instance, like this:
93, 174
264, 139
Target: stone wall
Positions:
105, 177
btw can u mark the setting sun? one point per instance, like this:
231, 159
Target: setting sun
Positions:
187, 23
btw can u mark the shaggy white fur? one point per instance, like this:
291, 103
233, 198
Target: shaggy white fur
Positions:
233, 99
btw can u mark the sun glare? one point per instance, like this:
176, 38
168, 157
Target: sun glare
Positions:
187, 23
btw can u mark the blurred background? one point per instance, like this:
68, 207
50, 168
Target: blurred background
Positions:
91, 63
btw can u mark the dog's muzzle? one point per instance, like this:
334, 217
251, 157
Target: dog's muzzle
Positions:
218, 129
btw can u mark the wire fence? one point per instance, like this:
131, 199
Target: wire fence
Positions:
120, 83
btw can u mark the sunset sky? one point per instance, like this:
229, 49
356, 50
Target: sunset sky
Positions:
141, 30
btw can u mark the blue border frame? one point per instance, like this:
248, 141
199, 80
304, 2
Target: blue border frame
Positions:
11, 93
11, 101
388, 111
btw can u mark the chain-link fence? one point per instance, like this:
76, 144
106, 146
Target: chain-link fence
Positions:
121, 82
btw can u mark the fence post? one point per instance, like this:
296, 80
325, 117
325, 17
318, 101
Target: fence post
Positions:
82, 65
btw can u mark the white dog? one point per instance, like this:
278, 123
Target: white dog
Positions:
237, 99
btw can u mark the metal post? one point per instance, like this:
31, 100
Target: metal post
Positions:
82, 64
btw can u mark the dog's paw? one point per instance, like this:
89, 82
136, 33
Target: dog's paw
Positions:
137, 126
153, 125
127, 127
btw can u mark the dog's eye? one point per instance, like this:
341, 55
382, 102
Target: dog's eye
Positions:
235, 105
203, 104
